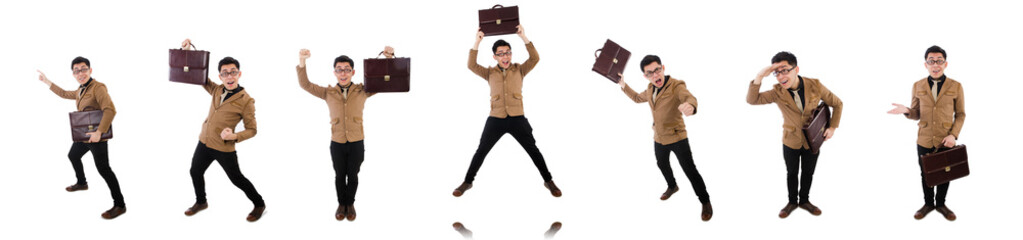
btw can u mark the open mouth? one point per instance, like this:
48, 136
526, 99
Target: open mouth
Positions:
658, 82
505, 63
785, 83
230, 83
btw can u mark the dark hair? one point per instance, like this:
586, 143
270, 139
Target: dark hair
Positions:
229, 60
78, 60
784, 56
935, 49
500, 43
343, 58
649, 59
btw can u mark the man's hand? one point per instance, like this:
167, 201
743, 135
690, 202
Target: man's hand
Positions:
828, 133
388, 52
187, 44
228, 134
479, 38
94, 136
949, 141
522, 34
765, 72
686, 109
302, 56
621, 81
899, 109
42, 78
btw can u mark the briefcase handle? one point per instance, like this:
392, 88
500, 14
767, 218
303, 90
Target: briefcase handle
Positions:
193, 46
497, 5
382, 53
596, 54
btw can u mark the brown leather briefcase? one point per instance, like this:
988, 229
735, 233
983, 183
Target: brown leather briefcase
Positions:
187, 66
611, 60
499, 20
945, 166
813, 130
87, 121
387, 74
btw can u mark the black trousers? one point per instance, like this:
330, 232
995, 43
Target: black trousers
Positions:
347, 158
799, 183
929, 197
201, 160
685, 159
519, 128
101, 157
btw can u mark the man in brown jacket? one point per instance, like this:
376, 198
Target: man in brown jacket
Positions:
229, 104
669, 100
345, 102
91, 95
939, 105
506, 112
796, 97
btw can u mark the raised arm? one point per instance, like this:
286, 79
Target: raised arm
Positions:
56, 89
481, 71
303, 78
534, 57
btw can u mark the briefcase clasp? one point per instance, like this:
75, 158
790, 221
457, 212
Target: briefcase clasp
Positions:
387, 78
90, 128
498, 21
615, 61
948, 168
186, 68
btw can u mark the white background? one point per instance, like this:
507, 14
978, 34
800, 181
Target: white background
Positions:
598, 144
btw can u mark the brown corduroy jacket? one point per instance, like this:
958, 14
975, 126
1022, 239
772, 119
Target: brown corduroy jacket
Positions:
95, 97
668, 124
813, 92
238, 107
940, 118
506, 84
345, 114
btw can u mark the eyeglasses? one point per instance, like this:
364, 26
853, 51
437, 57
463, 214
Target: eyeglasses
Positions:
938, 62
651, 73
783, 72
508, 53
343, 70
81, 70
231, 73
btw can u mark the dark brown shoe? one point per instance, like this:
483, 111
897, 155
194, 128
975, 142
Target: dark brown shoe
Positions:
667, 193
77, 187
787, 210
351, 213
708, 212
949, 215
461, 189
255, 214
114, 212
342, 210
462, 230
196, 208
555, 227
811, 208
554, 189
920, 214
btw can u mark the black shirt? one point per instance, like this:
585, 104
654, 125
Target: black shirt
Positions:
232, 92
940, 81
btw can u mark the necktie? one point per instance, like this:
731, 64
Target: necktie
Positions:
344, 93
223, 96
934, 90
799, 102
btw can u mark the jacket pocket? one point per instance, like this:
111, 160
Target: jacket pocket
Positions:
922, 124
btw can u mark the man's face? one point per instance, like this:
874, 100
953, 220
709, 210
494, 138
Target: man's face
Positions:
503, 56
935, 65
81, 72
343, 71
787, 74
654, 72
229, 74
